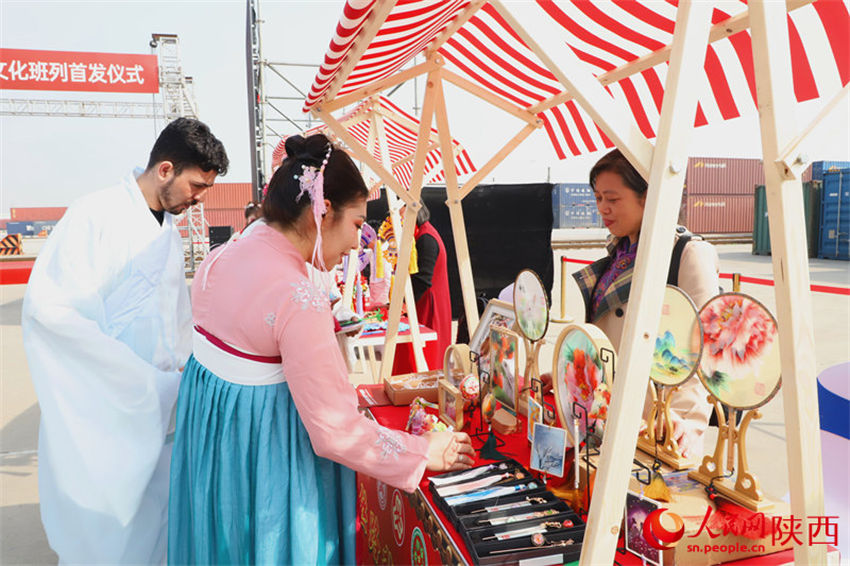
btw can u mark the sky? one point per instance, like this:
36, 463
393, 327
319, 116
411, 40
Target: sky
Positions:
51, 161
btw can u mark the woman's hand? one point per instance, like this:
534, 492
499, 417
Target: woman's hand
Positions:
449, 451
687, 435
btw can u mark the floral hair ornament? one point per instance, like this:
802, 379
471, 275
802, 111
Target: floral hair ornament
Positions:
311, 181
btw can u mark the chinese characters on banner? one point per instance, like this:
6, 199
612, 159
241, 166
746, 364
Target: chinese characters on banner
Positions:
27, 69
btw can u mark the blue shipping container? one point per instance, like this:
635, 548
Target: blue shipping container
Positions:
574, 206
834, 242
821, 167
22, 228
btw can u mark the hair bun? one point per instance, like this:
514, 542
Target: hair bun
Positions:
296, 146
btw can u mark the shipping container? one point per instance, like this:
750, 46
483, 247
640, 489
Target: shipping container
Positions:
30, 213
3, 222
835, 216
818, 168
811, 211
228, 195
723, 176
720, 214
574, 206
22, 228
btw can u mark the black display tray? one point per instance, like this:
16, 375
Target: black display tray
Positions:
467, 518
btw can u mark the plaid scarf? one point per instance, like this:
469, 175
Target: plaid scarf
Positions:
618, 285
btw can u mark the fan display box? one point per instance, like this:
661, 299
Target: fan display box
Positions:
505, 515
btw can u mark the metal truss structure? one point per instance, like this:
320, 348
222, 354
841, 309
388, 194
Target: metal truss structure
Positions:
177, 99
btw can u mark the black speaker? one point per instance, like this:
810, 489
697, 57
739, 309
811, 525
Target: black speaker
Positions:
219, 235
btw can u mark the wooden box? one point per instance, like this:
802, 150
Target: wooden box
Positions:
403, 389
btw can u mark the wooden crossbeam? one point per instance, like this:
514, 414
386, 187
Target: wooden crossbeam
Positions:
542, 35
666, 178
382, 85
464, 265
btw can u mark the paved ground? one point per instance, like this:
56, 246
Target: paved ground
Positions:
22, 539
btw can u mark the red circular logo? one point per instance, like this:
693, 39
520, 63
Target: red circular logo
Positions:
657, 535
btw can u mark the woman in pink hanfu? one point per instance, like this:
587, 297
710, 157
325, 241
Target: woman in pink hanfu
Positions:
268, 433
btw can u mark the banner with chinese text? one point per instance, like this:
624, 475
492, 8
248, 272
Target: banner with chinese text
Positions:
27, 69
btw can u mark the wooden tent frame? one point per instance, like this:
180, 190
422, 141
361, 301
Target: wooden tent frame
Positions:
663, 165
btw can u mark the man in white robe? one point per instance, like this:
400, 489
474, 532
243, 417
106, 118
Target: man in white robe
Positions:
107, 330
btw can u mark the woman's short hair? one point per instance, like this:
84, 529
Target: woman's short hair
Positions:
343, 183
615, 162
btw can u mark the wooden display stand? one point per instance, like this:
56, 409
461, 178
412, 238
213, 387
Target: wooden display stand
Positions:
663, 165
657, 440
746, 491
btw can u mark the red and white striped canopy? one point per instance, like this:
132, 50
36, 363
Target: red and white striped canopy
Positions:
614, 38
401, 129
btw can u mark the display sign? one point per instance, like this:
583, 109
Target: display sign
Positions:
27, 69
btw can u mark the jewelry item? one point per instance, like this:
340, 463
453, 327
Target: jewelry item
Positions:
469, 474
532, 530
539, 541
488, 493
455, 489
528, 501
520, 517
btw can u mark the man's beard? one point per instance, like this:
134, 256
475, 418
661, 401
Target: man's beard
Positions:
165, 198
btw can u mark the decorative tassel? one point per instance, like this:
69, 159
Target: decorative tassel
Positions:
657, 489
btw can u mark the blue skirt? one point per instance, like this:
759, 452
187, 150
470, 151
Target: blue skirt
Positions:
246, 486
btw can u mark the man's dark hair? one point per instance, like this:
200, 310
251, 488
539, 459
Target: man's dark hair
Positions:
187, 142
615, 162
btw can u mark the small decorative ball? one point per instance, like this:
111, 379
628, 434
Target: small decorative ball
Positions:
469, 388
488, 406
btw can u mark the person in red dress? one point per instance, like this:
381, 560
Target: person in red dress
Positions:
431, 291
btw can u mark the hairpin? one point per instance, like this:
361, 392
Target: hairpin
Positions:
467, 475
521, 517
473, 485
515, 505
312, 181
532, 530
488, 493
539, 541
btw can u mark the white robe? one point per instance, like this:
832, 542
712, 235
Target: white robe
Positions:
107, 327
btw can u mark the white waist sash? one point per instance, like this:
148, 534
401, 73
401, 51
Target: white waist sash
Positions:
232, 368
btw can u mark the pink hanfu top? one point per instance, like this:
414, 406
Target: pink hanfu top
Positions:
254, 294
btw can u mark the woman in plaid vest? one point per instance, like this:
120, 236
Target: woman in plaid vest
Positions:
605, 284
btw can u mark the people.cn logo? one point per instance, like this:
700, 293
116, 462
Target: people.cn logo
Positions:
657, 535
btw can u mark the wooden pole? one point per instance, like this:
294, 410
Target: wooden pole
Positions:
774, 87
409, 225
362, 154
464, 265
667, 175
392, 203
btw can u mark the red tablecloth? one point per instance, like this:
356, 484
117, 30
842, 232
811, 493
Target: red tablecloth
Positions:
517, 447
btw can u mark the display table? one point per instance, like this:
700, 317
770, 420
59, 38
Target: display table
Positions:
400, 528
368, 341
